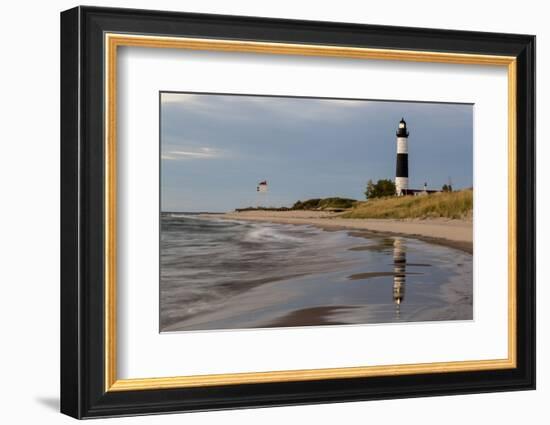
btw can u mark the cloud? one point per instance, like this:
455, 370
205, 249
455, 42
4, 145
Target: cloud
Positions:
304, 109
200, 153
247, 109
182, 98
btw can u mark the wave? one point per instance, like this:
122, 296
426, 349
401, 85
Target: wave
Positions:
269, 234
183, 215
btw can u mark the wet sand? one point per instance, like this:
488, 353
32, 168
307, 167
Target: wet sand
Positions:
457, 234
370, 275
312, 316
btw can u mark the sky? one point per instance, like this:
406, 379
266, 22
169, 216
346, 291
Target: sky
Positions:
215, 149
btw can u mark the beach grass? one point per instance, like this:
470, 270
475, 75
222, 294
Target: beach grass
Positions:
453, 205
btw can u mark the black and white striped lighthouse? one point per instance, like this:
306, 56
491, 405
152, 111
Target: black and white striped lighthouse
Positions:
402, 165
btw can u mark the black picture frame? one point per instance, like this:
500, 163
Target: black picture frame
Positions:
83, 392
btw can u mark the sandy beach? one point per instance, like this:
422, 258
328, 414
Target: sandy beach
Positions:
456, 234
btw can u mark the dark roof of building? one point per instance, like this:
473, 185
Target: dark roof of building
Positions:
413, 191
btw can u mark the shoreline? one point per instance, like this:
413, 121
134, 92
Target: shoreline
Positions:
457, 234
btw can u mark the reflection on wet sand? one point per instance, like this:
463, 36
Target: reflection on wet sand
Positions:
399, 273
399, 269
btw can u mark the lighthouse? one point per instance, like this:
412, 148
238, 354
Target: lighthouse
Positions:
402, 164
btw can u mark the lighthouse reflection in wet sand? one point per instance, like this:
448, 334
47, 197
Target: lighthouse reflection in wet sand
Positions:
399, 269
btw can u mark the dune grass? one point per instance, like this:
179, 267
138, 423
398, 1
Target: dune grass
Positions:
455, 205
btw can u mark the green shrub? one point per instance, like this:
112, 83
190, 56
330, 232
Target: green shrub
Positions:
380, 189
326, 203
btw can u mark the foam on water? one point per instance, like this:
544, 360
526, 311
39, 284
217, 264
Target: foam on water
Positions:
269, 234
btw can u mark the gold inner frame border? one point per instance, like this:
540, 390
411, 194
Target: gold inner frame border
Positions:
113, 40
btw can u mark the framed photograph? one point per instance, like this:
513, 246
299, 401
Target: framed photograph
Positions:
261, 212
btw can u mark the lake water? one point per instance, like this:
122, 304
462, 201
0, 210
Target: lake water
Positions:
221, 274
